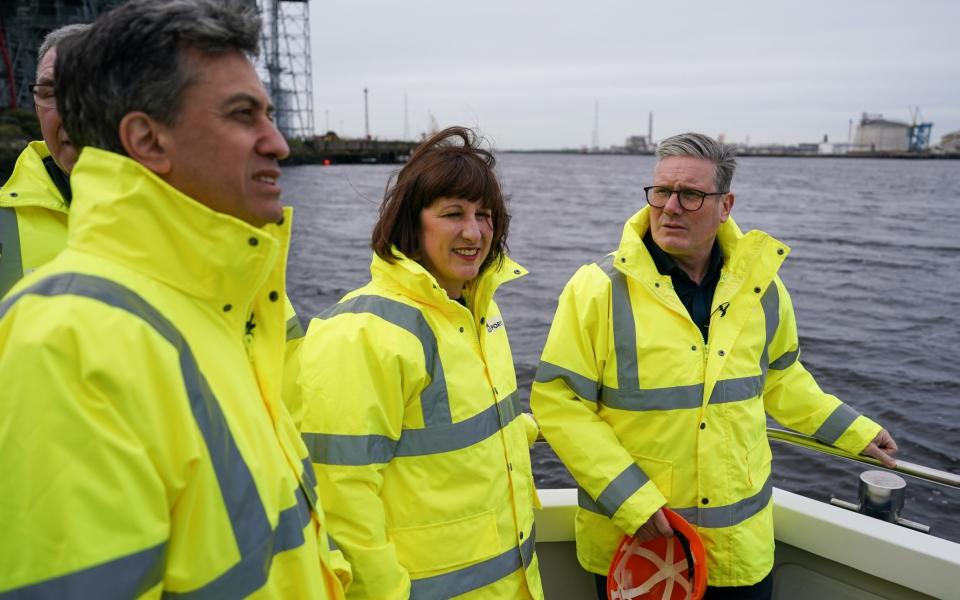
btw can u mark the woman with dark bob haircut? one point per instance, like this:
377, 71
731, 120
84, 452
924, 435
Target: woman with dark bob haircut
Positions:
411, 410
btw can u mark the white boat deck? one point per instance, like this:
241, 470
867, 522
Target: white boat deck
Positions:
823, 552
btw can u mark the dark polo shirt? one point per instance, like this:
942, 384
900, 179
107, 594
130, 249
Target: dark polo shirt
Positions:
59, 178
696, 298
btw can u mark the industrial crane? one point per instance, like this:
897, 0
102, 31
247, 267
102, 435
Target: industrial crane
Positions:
919, 132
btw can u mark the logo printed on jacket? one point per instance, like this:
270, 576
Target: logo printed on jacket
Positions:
495, 324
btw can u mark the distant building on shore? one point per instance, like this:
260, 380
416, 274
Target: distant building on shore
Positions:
639, 144
876, 134
950, 142
833, 148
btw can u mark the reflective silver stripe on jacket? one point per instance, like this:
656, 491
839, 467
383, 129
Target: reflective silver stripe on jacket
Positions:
256, 541
129, 576
683, 396
668, 398
11, 261
624, 328
294, 328
360, 450
786, 359
731, 514
770, 302
461, 581
839, 420
616, 493
843, 416
439, 434
629, 395
433, 399
586, 388
713, 516
309, 485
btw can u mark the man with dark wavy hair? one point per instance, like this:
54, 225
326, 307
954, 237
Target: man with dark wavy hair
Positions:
144, 444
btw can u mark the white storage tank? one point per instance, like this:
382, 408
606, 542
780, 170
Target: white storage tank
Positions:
876, 134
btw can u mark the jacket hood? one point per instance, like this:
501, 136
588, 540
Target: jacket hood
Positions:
29, 184
125, 213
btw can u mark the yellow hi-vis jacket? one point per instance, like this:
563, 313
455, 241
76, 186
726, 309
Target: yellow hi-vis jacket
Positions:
413, 421
144, 447
643, 414
33, 217
33, 230
291, 364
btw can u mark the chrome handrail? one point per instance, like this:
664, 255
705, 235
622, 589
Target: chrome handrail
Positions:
930, 474
907, 468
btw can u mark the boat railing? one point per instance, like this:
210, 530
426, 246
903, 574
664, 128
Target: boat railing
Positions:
929, 474
882, 494
807, 442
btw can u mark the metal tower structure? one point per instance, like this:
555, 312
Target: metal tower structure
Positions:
595, 142
284, 63
366, 115
406, 118
23, 25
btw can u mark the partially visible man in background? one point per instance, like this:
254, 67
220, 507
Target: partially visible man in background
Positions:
145, 450
35, 200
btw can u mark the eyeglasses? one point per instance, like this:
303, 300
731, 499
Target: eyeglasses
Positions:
43, 94
658, 196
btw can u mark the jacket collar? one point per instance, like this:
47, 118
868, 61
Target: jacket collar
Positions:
30, 184
751, 256
409, 278
667, 265
126, 214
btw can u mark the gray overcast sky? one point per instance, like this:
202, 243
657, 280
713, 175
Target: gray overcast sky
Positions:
528, 72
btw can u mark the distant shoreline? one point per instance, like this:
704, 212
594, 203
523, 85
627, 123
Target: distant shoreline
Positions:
740, 154
8, 157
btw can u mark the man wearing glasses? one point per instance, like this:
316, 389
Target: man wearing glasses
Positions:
35, 200
661, 364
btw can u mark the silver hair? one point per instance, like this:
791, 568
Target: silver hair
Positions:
53, 39
140, 57
702, 146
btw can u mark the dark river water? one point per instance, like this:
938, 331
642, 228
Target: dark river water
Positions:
874, 275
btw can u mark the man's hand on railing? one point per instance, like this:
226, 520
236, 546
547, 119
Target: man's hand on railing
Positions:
881, 448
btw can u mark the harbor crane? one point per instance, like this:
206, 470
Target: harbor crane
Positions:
919, 132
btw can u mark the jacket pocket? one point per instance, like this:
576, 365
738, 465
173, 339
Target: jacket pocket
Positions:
446, 545
659, 471
758, 460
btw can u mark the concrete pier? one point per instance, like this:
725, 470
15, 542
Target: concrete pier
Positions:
338, 151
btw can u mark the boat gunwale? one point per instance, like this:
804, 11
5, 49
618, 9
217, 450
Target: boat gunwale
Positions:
915, 560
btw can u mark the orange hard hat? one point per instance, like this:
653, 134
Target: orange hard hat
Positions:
665, 568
